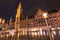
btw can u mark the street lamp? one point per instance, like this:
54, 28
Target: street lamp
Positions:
3, 21
0, 20
45, 16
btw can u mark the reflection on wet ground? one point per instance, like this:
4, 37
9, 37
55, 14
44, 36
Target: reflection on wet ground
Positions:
24, 38
28, 36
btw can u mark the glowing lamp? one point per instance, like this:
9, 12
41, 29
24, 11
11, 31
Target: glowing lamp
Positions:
45, 15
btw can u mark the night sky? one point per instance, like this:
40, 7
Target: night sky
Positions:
30, 7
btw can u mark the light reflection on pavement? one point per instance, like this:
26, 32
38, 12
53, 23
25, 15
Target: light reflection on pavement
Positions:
27, 36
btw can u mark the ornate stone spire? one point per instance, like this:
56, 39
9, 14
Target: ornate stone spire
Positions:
17, 20
18, 10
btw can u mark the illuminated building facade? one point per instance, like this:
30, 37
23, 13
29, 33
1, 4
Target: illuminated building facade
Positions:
34, 24
38, 20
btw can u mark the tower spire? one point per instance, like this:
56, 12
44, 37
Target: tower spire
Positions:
18, 10
18, 13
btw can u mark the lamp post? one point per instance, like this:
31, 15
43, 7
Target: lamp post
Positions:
45, 16
0, 20
3, 23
